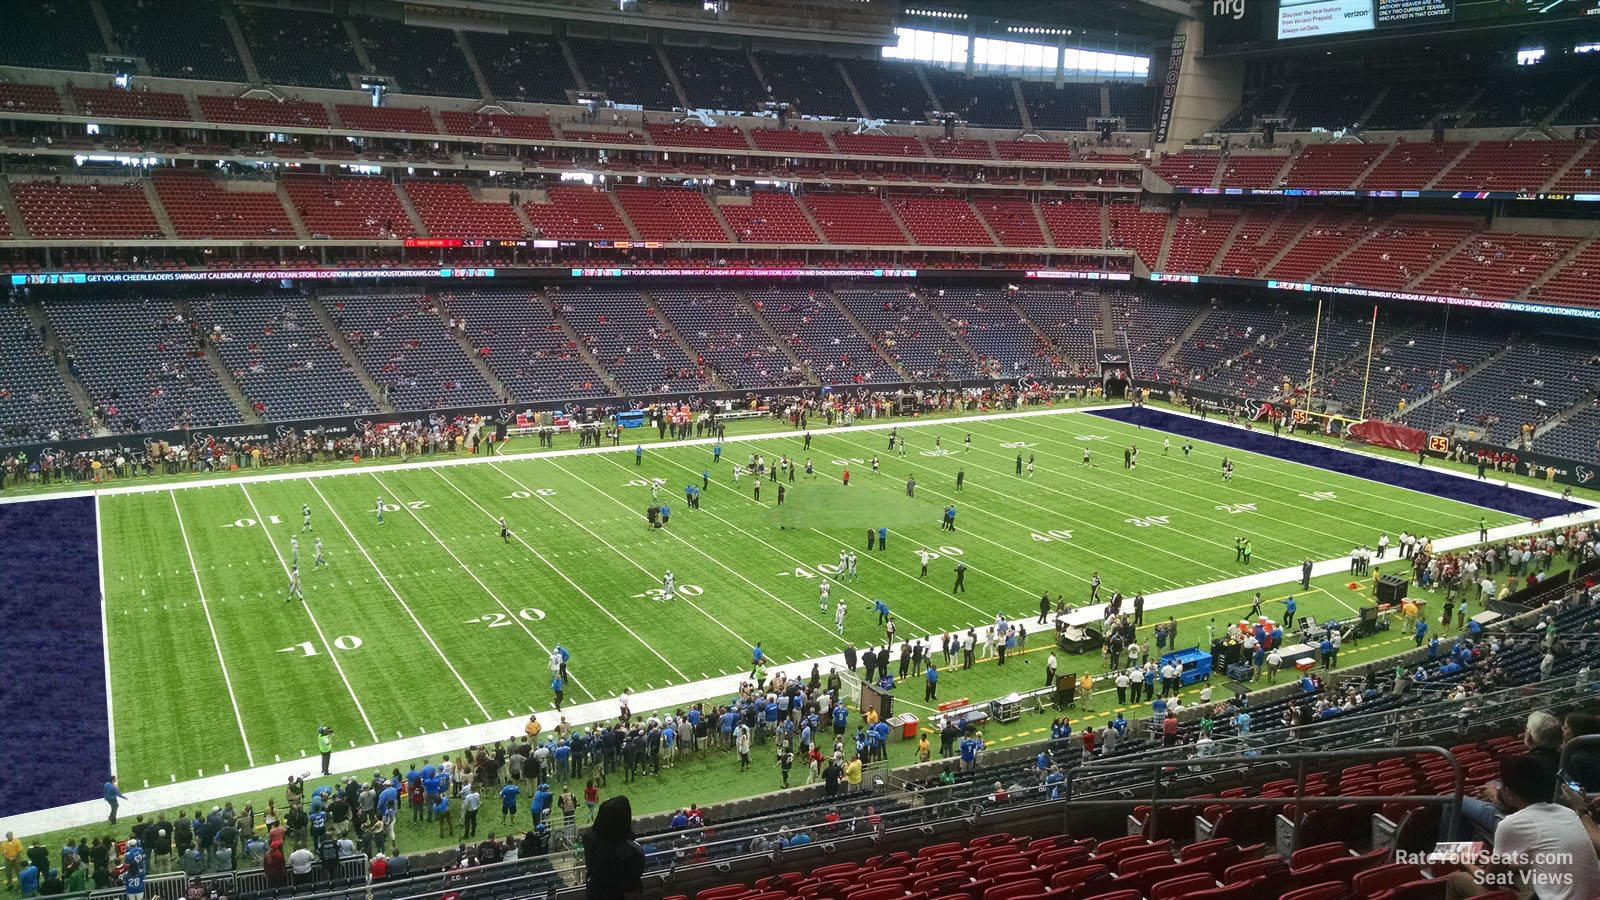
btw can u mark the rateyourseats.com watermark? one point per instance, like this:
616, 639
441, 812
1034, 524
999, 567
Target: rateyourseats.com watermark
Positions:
1497, 869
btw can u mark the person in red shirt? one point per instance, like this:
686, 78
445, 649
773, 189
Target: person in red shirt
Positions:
846, 477
380, 867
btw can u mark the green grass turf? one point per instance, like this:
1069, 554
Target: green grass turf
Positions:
431, 622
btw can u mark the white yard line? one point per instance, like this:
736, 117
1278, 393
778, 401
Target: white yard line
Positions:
402, 601
365, 759
306, 605
565, 577
216, 642
510, 613
105, 638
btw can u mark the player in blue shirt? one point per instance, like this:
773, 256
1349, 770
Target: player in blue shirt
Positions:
969, 751
508, 802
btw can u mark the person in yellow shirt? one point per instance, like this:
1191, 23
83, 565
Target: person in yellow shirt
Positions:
852, 774
872, 717
924, 752
533, 727
11, 851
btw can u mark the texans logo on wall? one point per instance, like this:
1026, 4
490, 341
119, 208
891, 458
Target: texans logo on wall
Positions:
1253, 408
504, 416
284, 431
1584, 474
635, 405
571, 409
696, 401
361, 425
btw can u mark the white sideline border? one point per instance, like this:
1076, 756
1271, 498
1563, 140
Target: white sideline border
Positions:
189, 792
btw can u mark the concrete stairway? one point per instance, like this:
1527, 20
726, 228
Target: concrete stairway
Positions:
346, 352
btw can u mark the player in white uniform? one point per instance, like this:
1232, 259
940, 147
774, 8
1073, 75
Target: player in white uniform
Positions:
668, 583
838, 617
1086, 456
655, 489
294, 550
1166, 446
851, 568
1030, 465
317, 549
305, 517
844, 562
810, 472
380, 510
875, 465
505, 530
294, 585
736, 472
822, 591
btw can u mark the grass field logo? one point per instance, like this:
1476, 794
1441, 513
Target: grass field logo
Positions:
1319, 495
1148, 521
1017, 445
1234, 509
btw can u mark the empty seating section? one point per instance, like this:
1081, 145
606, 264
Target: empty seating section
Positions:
177, 38
1331, 166
1576, 282
348, 206
1414, 103
116, 103
878, 144
854, 219
603, 137
1074, 223
1523, 94
1497, 266
1012, 220
74, 209
1040, 151
34, 403
422, 60
1067, 108
1196, 240
671, 214
1228, 332
531, 128
627, 72
899, 323
728, 339
1318, 244
1252, 170
942, 221
1261, 370
448, 209
1411, 166
1261, 235
1148, 327
820, 336
1139, 230
1583, 108
520, 66
1527, 385
1397, 253
891, 90
293, 46
789, 140
1583, 175
1265, 102
29, 98
577, 213
1508, 166
625, 336
990, 325
810, 81
721, 138
715, 78
402, 341
1330, 106
284, 361
1576, 438
1070, 318
981, 100
1135, 104
1409, 367
401, 119
143, 362
960, 148
769, 218
201, 207
59, 35
526, 349
256, 111
1189, 168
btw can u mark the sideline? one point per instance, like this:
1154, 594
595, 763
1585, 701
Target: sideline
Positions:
487, 458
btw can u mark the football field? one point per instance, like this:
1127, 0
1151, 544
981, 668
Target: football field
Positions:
431, 621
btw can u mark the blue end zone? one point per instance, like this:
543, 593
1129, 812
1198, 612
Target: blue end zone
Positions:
54, 737
1489, 494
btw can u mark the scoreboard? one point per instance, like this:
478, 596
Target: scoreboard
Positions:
1256, 24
